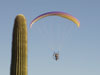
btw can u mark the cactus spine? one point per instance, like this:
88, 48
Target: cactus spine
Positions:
19, 47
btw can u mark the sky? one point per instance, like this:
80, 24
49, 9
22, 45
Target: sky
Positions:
79, 47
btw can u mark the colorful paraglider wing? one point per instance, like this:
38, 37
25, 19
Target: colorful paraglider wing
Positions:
61, 14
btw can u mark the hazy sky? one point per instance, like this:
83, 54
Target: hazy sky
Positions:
79, 47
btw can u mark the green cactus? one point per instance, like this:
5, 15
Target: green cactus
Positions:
19, 47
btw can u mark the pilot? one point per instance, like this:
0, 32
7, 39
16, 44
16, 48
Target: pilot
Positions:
56, 56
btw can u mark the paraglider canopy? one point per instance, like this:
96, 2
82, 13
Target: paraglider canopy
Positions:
56, 13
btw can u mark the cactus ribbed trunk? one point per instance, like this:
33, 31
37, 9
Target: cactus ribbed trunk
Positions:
19, 47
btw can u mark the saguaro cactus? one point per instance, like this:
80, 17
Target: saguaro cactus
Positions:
19, 47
